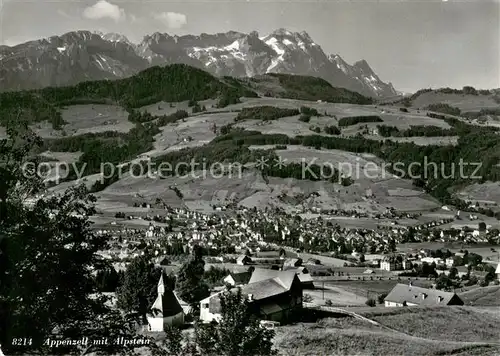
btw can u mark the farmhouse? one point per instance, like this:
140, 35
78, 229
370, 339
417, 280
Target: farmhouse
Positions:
497, 271
403, 295
276, 298
166, 310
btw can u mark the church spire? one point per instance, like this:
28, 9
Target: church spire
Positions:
161, 285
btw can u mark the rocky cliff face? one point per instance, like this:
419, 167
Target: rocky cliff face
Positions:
81, 55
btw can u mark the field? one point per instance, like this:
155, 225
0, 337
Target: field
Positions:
468, 324
357, 166
354, 293
291, 126
81, 119
374, 189
67, 157
487, 296
461, 101
486, 194
194, 131
349, 336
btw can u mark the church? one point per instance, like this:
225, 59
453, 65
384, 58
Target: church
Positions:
166, 310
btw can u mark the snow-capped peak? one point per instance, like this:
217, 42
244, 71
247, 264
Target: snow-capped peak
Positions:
340, 63
115, 37
305, 36
231, 53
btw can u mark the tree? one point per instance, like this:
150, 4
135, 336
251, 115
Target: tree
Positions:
392, 245
453, 273
482, 226
139, 289
47, 253
490, 274
472, 259
238, 332
173, 341
381, 298
282, 252
190, 284
107, 280
214, 275
443, 282
371, 302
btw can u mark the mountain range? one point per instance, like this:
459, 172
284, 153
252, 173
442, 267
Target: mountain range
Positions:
83, 55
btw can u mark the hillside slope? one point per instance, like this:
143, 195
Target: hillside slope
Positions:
347, 336
172, 83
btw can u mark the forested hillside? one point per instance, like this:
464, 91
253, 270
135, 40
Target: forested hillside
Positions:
173, 83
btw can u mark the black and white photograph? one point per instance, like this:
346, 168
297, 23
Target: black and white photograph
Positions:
250, 177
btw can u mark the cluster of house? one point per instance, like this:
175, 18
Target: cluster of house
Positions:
403, 262
389, 214
276, 296
273, 295
258, 230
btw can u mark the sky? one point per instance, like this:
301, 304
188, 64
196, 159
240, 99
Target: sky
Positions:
414, 44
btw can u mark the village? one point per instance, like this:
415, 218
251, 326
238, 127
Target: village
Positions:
283, 263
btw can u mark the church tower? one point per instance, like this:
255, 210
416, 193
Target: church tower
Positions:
161, 285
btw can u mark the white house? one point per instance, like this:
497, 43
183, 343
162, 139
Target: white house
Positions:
406, 295
205, 314
431, 260
166, 310
497, 271
274, 295
390, 263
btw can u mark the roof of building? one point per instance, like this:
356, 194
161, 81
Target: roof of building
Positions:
241, 277
498, 268
421, 296
285, 278
305, 278
166, 304
301, 272
264, 285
